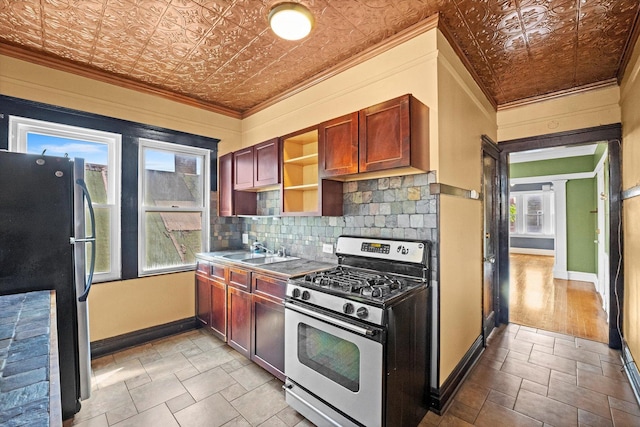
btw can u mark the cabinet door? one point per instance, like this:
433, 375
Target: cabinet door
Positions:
338, 146
203, 300
218, 316
243, 169
268, 335
385, 135
266, 163
239, 320
225, 185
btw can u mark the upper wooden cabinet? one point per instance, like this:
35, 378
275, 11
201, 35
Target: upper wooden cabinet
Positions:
232, 202
257, 166
338, 146
266, 163
391, 135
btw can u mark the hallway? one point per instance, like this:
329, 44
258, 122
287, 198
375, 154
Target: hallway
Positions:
538, 300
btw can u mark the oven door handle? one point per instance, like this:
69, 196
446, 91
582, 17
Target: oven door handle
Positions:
331, 320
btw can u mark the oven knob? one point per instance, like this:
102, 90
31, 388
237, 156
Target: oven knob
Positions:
347, 308
306, 295
295, 293
362, 312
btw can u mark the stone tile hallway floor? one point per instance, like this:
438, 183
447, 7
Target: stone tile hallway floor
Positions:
525, 377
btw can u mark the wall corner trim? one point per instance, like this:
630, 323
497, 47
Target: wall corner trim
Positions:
440, 398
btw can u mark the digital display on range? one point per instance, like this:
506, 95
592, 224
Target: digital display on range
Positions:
378, 248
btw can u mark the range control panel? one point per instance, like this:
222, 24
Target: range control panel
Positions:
386, 249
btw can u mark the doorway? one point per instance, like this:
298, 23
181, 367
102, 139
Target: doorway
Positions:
610, 135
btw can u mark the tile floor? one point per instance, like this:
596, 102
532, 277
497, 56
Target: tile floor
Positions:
526, 377
531, 377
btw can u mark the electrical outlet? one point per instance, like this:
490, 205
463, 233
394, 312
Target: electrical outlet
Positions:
327, 248
245, 238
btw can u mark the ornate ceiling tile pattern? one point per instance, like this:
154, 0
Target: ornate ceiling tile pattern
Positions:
222, 52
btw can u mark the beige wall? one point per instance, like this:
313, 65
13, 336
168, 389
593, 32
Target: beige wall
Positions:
25, 80
630, 102
464, 116
117, 308
124, 306
585, 109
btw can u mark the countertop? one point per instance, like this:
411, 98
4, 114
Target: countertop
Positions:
285, 269
29, 377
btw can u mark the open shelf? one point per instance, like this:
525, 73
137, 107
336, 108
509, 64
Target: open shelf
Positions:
300, 173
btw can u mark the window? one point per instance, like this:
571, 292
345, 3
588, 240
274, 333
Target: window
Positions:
101, 153
531, 213
174, 206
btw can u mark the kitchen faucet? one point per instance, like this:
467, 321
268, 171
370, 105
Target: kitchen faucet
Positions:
259, 246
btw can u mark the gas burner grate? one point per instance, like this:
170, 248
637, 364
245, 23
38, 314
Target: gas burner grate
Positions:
353, 281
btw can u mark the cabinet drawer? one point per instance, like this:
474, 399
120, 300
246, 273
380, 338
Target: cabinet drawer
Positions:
240, 279
218, 272
202, 267
268, 286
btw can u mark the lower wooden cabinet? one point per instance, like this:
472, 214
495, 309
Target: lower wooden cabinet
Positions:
203, 300
239, 320
244, 308
218, 314
267, 329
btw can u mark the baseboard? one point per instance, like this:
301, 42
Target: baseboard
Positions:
111, 345
631, 369
583, 277
440, 398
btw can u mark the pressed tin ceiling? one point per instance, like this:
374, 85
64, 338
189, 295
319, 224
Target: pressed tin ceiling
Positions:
221, 54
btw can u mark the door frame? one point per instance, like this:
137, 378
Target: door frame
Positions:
612, 134
492, 149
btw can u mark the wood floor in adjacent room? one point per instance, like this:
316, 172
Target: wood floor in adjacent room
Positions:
538, 300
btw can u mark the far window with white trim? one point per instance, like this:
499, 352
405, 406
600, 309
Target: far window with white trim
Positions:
101, 153
531, 213
173, 224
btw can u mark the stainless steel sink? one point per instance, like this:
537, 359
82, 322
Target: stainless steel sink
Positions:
244, 255
257, 258
269, 259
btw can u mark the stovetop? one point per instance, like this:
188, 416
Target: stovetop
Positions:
364, 284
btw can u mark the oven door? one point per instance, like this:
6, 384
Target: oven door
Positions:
337, 362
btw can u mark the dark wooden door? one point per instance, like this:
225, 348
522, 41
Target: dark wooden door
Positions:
239, 320
218, 318
268, 335
490, 248
225, 185
243, 169
385, 135
338, 146
266, 163
203, 300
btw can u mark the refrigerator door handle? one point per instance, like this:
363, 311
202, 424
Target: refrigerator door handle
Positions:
91, 238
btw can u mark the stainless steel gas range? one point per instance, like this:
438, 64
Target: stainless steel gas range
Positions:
357, 336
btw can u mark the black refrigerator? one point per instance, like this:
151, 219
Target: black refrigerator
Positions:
44, 245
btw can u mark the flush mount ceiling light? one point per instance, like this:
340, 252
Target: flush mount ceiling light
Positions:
291, 21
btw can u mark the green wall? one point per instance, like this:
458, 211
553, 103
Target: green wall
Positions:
552, 167
581, 225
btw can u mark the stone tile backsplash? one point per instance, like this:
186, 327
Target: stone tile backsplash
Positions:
396, 207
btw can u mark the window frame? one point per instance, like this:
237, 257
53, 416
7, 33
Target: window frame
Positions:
204, 209
20, 127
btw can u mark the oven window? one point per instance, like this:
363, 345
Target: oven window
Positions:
331, 356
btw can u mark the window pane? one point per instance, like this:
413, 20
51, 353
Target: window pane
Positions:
95, 157
513, 215
103, 239
534, 215
172, 238
172, 179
